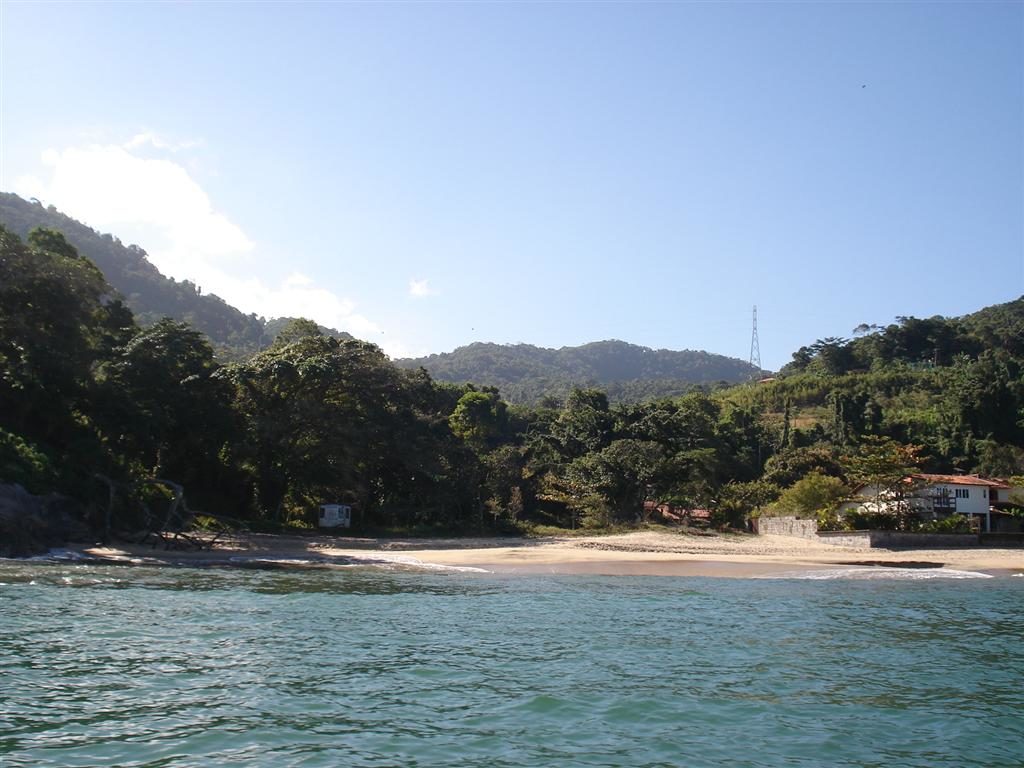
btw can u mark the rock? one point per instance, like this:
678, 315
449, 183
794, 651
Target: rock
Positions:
32, 525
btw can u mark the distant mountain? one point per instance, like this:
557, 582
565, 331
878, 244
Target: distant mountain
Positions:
627, 372
150, 294
1000, 326
523, 373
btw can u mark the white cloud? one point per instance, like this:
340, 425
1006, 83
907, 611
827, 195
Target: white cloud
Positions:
110, 188
297, 280
421, 288
298, 296
158, 142
156, 203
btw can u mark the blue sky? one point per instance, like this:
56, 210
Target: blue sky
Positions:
426, 175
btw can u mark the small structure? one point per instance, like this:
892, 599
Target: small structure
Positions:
335, 516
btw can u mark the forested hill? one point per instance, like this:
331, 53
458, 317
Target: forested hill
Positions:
627, 372
150, 294
94, 407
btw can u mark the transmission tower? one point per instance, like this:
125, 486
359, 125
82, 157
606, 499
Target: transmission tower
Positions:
755, 350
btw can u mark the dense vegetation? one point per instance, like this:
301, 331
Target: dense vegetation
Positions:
626, 372
150, 295
953, 386
91, 402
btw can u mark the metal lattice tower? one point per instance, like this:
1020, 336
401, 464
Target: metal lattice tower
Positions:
755, 349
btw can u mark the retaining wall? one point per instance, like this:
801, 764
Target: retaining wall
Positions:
898, 539
787, 526
1003, 539
808, 529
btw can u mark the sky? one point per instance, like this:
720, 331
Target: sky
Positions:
427, 175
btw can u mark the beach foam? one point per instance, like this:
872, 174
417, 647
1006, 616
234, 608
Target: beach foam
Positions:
386, 559
869, 573
375, 559
68, 555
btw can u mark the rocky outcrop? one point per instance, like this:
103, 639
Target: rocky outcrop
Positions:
31, 525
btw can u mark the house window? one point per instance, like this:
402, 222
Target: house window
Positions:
963, 493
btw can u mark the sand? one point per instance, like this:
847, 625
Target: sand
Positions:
639, 553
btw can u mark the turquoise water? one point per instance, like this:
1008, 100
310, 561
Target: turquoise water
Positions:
134, 666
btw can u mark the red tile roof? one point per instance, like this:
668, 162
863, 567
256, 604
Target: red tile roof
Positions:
958, 480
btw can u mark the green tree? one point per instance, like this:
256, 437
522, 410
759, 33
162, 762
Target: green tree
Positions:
585, 423
480, 418
883, 467
295, 330
788, 466
621, 476
812, 495
58, 320
504, 480
158, 401
739, 501
302, 424
329, 419
52, 317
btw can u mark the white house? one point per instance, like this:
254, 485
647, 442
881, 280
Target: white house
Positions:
335, 516
939, 496
934, 497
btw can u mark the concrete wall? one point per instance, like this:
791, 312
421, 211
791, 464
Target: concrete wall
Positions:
787, 526
846, 538
898, 540
1006, 524
1003, 539
808, 529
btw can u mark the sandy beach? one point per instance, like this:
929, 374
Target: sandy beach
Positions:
639, 553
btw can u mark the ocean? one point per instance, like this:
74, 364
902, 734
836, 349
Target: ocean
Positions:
143, 666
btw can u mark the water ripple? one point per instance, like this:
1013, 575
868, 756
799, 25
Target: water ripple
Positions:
175, 667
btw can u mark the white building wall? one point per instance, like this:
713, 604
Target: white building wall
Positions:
335, 516
976, 502
1004, 494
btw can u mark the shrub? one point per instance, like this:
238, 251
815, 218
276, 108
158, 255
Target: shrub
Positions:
951, 524
24, 464
859, 520
811, 495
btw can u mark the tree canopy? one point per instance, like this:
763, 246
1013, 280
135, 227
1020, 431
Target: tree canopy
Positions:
88, 392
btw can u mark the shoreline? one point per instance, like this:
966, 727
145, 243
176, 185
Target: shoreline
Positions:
641, 553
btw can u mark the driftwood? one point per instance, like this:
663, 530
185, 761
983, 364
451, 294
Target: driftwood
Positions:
175, 529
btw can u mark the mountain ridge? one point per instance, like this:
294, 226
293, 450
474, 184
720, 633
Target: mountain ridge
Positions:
526, 372
523, 373
148, 292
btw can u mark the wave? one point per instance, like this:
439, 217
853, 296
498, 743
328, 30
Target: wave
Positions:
61, 555
870, 573
379, 560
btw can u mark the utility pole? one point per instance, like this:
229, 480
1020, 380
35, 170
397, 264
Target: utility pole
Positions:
755, 350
